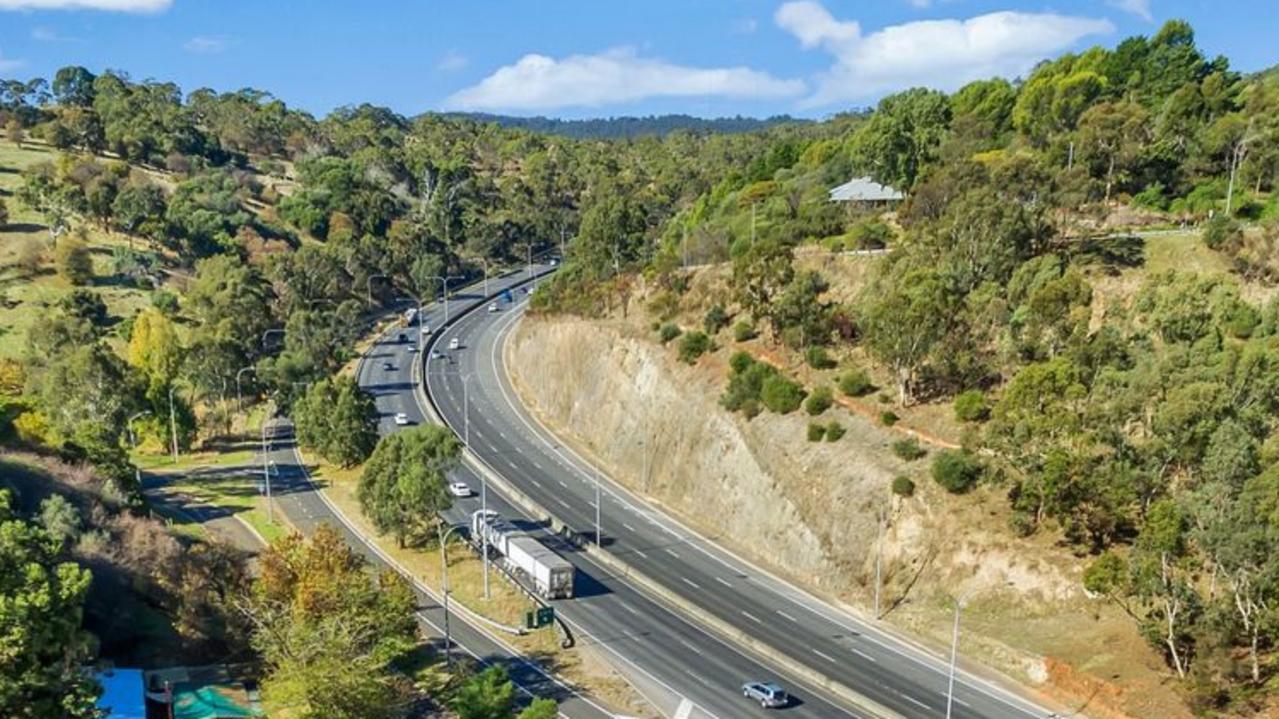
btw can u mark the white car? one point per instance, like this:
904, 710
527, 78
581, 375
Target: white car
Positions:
412, 349
455, 343
436, 354
492, 307
459, 489
401, 419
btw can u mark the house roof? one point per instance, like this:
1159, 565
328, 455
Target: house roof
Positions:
122, 695
863, 189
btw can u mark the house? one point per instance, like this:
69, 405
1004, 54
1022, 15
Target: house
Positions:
863, 190
122, 695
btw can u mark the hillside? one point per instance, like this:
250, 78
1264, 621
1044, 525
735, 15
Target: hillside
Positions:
627, 128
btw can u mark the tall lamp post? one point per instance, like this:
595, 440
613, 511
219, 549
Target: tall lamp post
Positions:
368, 287
444, 589
239, 397
444, 281
266, 477
133, 441
484, 485
173, 424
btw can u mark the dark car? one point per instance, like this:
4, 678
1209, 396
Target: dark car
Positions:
768, 694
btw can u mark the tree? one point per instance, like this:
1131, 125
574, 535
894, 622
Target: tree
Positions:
154, 346
4, 213
902, 136
72, 258
905, 316
41, 669
403, 487
329, 631
1112, 137
339, 420
487, 695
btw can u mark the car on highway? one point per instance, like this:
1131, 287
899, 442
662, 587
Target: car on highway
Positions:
401, 337
455, 343
554, 262
768, 694
436, 354
459, 489
401, 419
411, 349
388, 367
492, 307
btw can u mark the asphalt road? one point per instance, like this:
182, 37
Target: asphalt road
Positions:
684, 670
879, 666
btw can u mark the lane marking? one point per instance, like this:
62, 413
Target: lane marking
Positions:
690, 647
825, 656
629, 528
721, 580
787, 616
628, 607
641, 553
913, 700
751, 617
691, 583
864, 655
672, 552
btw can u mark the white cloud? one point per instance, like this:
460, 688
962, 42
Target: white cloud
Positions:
44, 34
620, 75
744, 26
452, 62
943, 54
1140, 8
205, 45
108, 5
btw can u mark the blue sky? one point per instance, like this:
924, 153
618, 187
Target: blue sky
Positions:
586, 58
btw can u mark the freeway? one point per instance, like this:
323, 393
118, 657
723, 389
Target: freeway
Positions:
470, 386
682, 669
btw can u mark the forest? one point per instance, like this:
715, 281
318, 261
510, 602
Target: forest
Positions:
258, 238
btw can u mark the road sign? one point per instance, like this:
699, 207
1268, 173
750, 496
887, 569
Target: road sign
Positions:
544, 616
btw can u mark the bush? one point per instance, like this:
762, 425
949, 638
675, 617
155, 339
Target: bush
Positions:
871, 235
740, 362
888, 419
1223, 233
692, 346
744, 331
1152, 197
834, 431
781, 395
73, 261
908, 449
971, 406
819, 401
165, 301
668, 332
4, 213
856, 384
715, 320
818, 358
903, 486
956, 470
816, 432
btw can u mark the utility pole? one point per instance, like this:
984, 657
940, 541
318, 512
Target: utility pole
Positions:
598, 532
752, 224
529, 262
484, 485
173, 425
954, 648
1236, 158
444, 587
266, 477
1070, 156
684, 248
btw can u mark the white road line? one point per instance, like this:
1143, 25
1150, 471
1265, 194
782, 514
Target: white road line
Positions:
913, 700
629, 528
825, 656
691, 583
864, 655
628, 607
565, 486
751, 617
690, 647
784, 614
562, 502
957, 700
641, 553
673, 553
723, 581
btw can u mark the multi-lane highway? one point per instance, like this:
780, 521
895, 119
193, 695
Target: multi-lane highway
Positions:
684, 670
470, 386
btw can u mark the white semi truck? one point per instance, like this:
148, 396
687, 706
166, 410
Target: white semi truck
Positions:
550, 574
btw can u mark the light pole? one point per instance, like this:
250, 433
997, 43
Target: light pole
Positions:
486, 275
368, 287
598, 532
529, 261
239, 398
444, 281
954, 647
268, 333
444, 589
484, 485
879, 542
266, 477
133, 441
173, 425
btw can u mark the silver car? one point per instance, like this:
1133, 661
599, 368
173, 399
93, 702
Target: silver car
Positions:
768, 694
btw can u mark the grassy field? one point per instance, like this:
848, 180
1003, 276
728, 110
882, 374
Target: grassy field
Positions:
229, 484
26, 296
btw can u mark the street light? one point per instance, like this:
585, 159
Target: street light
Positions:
173, 424
368, 286
444, 589
484, 485
266, 477
954, 647
239, 398
445, 282
268, 333
133, 441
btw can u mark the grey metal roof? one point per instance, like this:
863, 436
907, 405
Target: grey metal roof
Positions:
863, 189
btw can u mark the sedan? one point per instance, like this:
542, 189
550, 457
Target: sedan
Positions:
388, 367
492, 307
401, 419
768, 694
459, 489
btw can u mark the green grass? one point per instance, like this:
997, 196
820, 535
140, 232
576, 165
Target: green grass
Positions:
235, 491
163, 462
1183, 251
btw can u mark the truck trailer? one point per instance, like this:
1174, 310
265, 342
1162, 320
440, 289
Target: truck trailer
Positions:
549, 573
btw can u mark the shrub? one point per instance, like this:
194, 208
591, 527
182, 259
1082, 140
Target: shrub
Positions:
4, 213
903, 486
816, 432
818, 358
888, 419
819, 401
744, 331
668, 332
971, 406
908, 449
956, 470
165, 301
871, 235
751, 409
1223, 233
834, 431
715, 320
856, 384
1152, 197
745, 383
692, 346
73, 261
781, 395
740, 361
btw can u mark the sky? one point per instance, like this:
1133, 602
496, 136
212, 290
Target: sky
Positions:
593, 58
